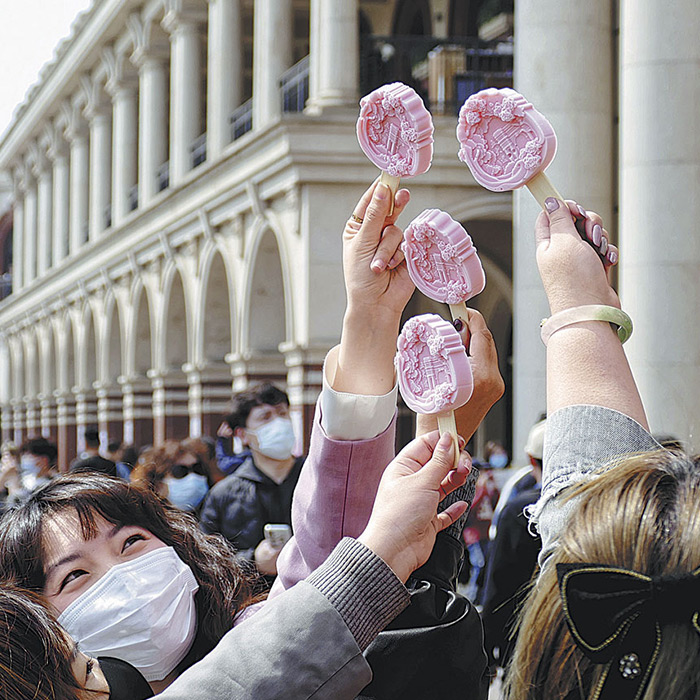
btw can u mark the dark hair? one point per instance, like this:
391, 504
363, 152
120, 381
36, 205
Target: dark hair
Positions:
225, 585
35, 652
92, 436
129, 455
245, 401
40, 447
155, 464
113, 445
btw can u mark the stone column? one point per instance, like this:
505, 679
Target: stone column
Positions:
100, 167
18, 235
153, 121
79, 178
659, 206
110, 411
46, 411
44, 214
31, 413
17, 421
580, 36
124, 136
304, 383
334, 54
224, 73
7, 422
61, 202
185, 92
66, 429
272, 55
30, 231
209, 397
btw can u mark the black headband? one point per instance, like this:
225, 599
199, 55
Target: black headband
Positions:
615, 617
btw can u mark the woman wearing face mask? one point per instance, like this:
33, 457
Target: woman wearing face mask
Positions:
176, 472
128, 575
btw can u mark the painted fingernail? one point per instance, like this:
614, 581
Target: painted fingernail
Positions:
378, 265
458, 324
445, 442
597, 234
581, 211
612, 257
551, 203
604, 246
382, 191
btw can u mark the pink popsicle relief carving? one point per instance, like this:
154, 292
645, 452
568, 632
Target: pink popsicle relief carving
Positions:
442, 261
433, 369
395, 131
504, 140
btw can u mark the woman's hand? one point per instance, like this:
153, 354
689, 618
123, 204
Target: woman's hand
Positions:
572, 273
378, 288
404, 521
376, 278
488, 382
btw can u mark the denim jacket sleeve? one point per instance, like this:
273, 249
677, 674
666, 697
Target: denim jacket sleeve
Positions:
578, 441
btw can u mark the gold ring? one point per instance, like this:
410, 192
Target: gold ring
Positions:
356, 218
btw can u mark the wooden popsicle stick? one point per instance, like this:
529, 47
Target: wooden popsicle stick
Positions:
392, 183
459, 311
447, 424
541, 187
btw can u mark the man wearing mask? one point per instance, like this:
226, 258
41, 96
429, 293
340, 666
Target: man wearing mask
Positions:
259, 493
37, 463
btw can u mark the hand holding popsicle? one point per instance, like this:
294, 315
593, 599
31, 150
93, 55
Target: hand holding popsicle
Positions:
433, 370
395, 131
507, 143
442, 260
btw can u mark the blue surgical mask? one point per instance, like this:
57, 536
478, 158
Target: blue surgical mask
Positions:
498, 460
187, 493
29, 471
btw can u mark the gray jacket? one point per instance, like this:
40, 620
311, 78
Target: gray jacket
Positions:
308, 641
578, 441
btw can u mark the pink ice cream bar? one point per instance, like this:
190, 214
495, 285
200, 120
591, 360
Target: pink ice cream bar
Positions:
441, 258
395, 130
504, 140
432, 365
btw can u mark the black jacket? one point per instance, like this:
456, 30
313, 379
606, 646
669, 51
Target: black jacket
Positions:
240, 505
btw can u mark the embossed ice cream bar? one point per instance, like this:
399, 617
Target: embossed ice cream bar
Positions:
441, 258
432, 365
395, 130
504, 140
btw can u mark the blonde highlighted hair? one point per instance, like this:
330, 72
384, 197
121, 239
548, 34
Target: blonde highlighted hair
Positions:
643, 514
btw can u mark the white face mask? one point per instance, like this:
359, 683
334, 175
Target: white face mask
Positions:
141, 611
29, 470
275, 438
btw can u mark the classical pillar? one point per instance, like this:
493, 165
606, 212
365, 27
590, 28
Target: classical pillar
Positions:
110, 414
47, 416
18, 236
32, 416
170, 406
17, 421
44, 214
272, 56
224, 73
79, 178
580, 36
185, 92
61, 203
659, 207
334, 54
7, 422
209, 397
304, 383
153, 121
124, 137
66, 429
30, 231
100, 167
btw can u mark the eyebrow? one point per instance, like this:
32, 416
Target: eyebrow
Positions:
76, 555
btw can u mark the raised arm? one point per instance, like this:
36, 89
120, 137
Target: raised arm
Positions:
585, 361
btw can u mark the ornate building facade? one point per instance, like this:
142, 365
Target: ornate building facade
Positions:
182, 173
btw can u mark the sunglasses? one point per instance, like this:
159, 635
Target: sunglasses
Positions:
180, 471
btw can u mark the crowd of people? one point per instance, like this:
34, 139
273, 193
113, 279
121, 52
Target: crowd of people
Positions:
232, 568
